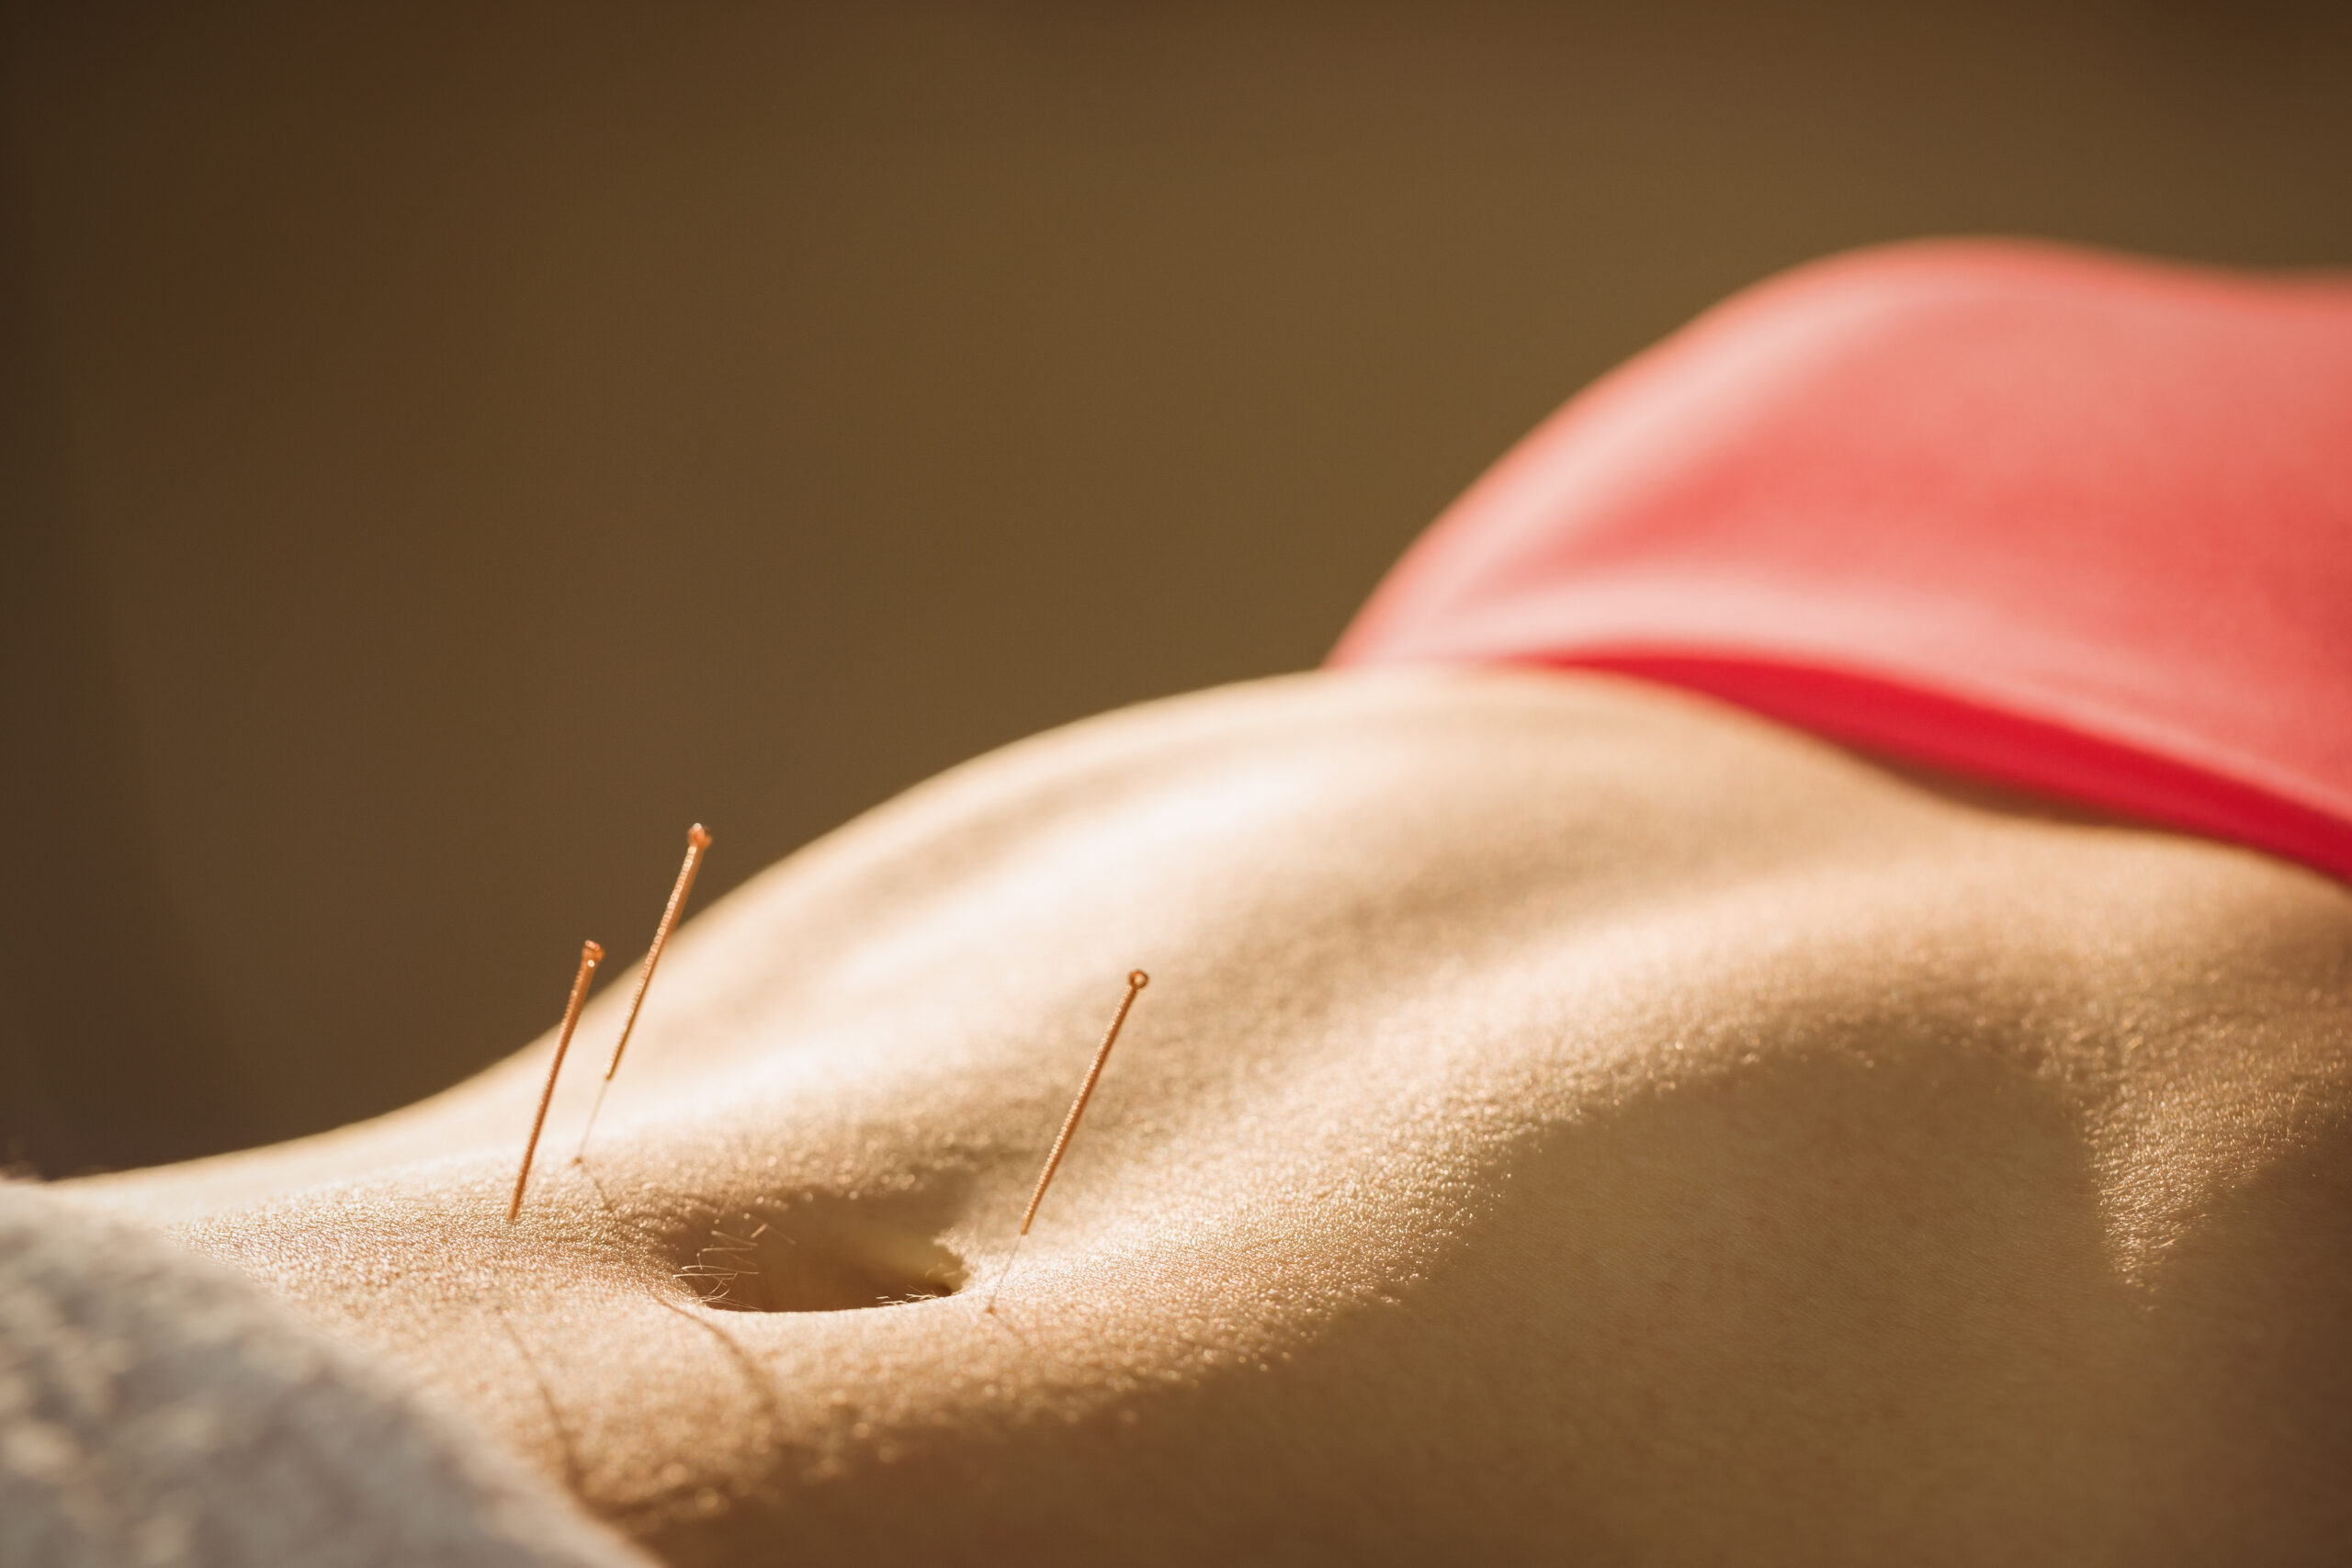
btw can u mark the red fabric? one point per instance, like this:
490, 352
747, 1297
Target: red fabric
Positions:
2063, 520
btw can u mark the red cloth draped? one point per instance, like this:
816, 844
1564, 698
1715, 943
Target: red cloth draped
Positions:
2066, 521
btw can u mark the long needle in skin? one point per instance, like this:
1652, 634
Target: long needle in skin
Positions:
696, 841
590, 957
1136, 981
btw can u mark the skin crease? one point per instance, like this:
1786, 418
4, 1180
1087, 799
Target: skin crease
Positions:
1567, 1118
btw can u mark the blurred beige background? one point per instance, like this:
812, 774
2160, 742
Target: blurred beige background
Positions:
449, 448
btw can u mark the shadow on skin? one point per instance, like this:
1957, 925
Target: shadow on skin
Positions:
827, 1252
1740, 1352
1652, 1287
1566, 1118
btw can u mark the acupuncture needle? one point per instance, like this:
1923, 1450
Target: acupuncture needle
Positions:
1136, 981
590, 957
696, 843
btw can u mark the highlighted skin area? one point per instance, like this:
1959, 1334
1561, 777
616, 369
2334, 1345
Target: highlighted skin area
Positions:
1568, 1119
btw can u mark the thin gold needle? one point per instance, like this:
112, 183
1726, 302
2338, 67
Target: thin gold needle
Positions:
696, 841
1136, 981
590, 957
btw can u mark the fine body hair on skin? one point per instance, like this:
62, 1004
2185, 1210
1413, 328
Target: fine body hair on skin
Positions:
1578, 1120
157, 1409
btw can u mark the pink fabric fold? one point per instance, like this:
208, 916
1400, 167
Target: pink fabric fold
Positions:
2060, 520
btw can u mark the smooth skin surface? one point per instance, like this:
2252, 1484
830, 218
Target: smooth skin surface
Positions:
1568, 1121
